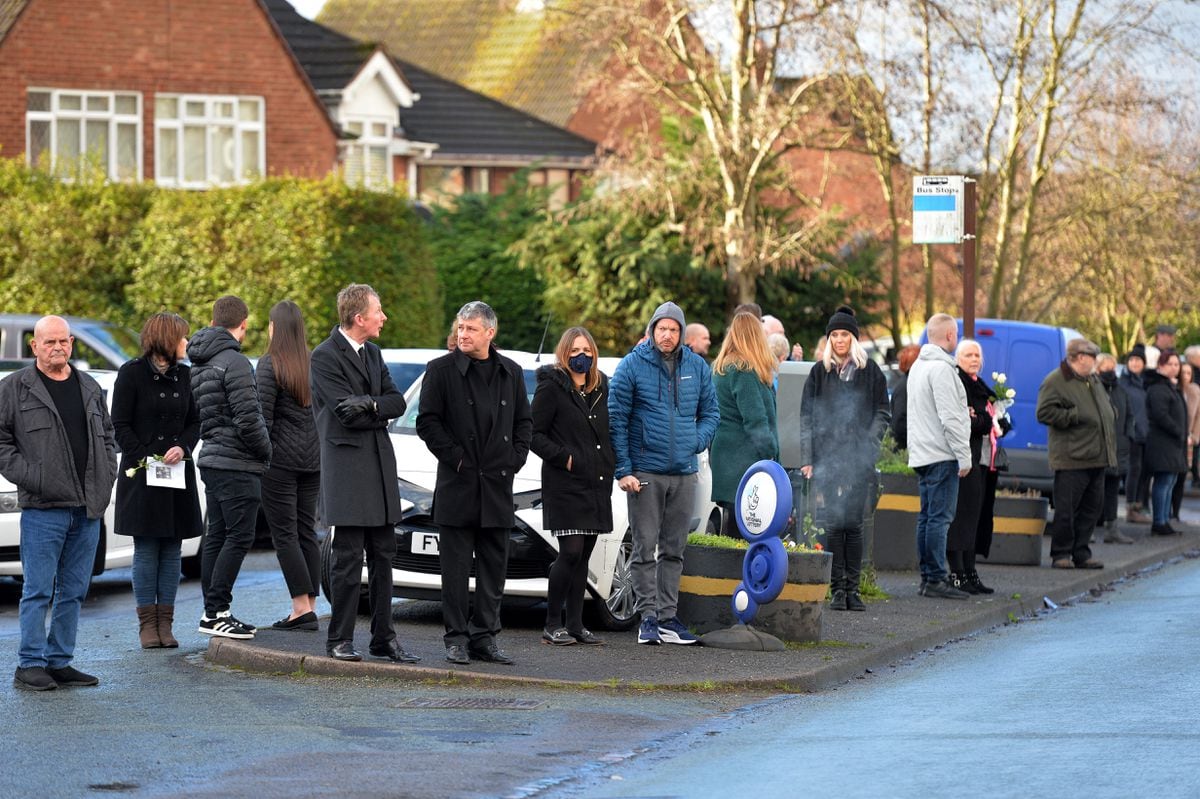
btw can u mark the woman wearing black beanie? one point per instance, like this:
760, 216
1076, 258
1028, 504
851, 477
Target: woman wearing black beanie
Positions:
843, 416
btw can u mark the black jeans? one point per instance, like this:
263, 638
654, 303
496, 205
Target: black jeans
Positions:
289, 501
233, 500
345, 581
842, 516
1078, 502
1112, 485
490, 548
1134, 486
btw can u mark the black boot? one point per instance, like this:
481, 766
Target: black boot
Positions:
854, 601
838, 602
959, 581
977, 586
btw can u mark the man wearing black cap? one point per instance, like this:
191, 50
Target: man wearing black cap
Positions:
1164, 339
1082, 445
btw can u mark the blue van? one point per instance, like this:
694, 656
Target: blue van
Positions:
1025, 352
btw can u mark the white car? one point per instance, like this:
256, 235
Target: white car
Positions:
416, 570
113, 552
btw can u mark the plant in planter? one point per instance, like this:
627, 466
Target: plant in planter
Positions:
893, 544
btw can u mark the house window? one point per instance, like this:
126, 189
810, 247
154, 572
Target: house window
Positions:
436, 183
208, 140
64, 128
367, 159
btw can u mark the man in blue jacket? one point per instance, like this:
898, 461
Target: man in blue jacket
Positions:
662, 411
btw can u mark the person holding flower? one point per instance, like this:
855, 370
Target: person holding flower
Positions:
155, 418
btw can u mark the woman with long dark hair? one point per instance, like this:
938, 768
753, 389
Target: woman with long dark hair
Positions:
743, 375
154, 416
291, 484
843, 416
1167, 441
570, 435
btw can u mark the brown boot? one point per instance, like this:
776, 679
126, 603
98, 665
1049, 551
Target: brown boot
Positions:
148, 626
1134, 515
166, 617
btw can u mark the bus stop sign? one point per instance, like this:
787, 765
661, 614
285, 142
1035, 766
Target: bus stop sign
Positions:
937, 209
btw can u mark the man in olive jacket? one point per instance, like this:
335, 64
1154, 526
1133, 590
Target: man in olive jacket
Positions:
1073, 404
353, 398
57, 447
476, 421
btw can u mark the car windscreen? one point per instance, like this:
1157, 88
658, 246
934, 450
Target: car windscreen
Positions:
120, 339
405, 374
408, 422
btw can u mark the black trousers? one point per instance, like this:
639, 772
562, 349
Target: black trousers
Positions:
1135, 487
345, 581
289, 501
1078, 502
842, 517
1112, 485
233, 499
475, 626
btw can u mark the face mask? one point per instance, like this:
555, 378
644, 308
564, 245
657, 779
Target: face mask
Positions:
580, 364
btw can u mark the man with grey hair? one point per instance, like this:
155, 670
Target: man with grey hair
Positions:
474, 417
939, 449
353, 398
662, 410
57, 447
1073, 404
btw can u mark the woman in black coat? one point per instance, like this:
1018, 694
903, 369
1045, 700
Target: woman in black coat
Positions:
1167, 441
291, 484
154, 416
570, 435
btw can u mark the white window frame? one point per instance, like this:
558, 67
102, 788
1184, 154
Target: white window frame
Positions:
211, 123
83, 115
364, 142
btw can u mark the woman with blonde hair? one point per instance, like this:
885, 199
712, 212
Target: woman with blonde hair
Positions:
743, 374
843, 416
570, 435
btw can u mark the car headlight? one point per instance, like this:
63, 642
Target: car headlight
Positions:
421, 498
8, 502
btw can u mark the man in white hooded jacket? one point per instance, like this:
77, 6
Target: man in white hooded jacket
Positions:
939, 449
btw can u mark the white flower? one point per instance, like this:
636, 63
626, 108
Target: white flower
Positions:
995, 376
130, 472
1003, 378
1010, 393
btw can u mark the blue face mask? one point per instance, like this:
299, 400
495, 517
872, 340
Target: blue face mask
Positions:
580, 364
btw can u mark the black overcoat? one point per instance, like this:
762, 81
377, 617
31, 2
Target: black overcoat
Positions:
568, 424
964, 529
1166, 410
358, 465
474, 477
152, 412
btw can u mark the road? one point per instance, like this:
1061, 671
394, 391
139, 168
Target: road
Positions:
1096, 700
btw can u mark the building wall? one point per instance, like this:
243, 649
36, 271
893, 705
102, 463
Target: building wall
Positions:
153, 46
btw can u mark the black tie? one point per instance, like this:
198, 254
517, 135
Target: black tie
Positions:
362, 355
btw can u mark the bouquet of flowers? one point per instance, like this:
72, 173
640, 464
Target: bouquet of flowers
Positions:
1005, 396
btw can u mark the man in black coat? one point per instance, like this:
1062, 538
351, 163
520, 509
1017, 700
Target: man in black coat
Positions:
475, 419
353, 398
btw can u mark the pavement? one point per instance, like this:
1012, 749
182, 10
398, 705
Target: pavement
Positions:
853, 644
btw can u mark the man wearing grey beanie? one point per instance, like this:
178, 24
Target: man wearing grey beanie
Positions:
662, 411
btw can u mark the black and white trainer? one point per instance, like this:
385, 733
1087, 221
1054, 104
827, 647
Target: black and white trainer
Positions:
224, 625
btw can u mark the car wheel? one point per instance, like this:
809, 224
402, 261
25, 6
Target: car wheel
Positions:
364, 598
617, 612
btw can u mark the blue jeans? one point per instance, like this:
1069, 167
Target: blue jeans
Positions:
1160, 496
156, 564
938, 486
58, 548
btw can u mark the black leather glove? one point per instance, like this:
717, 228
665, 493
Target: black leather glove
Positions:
352, 408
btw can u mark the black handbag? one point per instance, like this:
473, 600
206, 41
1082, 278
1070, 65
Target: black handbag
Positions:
1001, 461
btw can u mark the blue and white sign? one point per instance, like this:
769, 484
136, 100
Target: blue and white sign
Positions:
937, 209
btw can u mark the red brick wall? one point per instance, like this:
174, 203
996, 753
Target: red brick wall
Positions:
152, 46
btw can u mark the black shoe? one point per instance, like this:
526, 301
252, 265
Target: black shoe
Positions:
69, 676
1162, 529
305, 621
854, 601
559, 637
943, 590
586, 636
838, 600
33, 678
344, 650
961, 582
393, 652
491, 654
457, 653
974, 581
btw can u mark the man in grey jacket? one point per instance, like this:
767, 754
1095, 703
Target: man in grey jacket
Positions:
235, 454
939, 448
57, 447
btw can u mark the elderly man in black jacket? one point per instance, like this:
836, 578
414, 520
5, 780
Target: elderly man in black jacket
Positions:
353, 398
475, 419
233, 458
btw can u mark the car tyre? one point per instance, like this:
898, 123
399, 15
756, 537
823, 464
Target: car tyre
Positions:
617, 612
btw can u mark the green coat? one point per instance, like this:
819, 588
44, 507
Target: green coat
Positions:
746, 433
1080, 419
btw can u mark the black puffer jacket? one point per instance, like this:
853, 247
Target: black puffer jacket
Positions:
1166, 444
231, 421
292, 427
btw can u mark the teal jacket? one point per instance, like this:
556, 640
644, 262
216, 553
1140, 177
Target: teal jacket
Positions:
747, 432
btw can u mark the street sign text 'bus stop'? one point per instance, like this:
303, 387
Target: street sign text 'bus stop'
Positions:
937, 209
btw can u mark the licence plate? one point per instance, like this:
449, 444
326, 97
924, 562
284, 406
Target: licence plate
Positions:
424, 543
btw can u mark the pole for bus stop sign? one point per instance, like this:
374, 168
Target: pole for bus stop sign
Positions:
968, 258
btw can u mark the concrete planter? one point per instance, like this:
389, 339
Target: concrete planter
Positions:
710, 574
894, 537
1017, 530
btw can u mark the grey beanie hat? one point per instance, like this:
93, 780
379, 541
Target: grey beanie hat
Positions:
668, 310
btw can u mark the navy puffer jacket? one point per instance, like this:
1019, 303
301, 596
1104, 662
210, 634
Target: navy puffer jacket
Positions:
231, 421
661, 419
